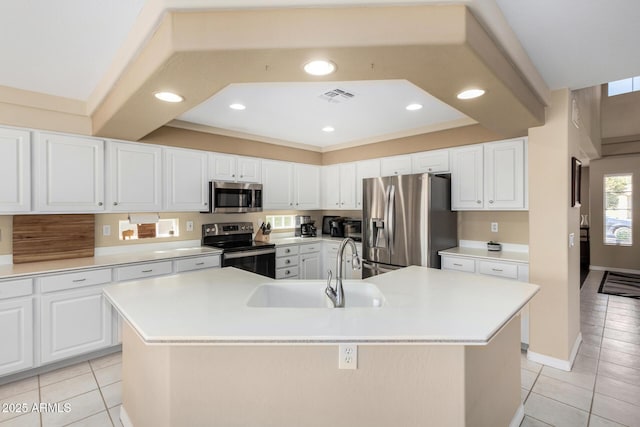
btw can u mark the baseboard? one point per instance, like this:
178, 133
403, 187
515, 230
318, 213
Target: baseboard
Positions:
518, 417
553, 362
619, 270
124, 417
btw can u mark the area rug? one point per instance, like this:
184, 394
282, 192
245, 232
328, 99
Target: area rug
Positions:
622, 284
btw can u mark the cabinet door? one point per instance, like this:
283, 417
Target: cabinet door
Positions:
467, 178
16, 335
397, 165
70, 174
365, 169
310, 266
436, 161
504, 174
73, 323
222, 167
15, 171
186, 180
277, 185
248, 170
307, 186
331, 187
135, 177
348, 186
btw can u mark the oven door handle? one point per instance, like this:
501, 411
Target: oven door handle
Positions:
244, 254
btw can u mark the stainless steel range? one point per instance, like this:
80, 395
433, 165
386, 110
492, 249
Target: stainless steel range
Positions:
238, 248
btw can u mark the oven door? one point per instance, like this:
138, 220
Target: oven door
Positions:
259, 261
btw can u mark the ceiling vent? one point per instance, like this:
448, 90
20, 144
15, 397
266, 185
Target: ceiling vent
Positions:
337, 95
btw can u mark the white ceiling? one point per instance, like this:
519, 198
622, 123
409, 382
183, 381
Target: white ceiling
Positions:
297, 112
62, 47
66, 47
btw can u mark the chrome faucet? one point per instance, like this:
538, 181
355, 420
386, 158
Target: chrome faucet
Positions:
337, 295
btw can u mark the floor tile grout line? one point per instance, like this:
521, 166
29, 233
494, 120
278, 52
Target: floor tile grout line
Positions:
93, 372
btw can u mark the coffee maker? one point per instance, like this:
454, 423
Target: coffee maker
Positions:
305, 226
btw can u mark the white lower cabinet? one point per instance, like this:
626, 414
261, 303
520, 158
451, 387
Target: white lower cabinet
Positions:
74, 322
287, 262
310, 261
197, 263
509, 270
16, 330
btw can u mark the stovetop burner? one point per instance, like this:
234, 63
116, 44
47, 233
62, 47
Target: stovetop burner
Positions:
231, 237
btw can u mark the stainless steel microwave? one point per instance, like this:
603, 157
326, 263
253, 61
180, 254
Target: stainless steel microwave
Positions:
234, 197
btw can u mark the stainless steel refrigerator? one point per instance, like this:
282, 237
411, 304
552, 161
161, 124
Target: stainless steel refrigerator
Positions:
407, 219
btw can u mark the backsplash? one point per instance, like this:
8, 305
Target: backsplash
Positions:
513, 226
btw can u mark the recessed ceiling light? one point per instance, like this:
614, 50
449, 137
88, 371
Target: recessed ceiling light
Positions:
237, 106
470, 94
319, 67
168, 97
413, 107
328, 129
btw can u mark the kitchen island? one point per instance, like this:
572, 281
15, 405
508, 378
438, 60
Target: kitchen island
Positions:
442, 349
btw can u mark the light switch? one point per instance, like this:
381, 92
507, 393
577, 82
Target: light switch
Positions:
189, 225
572, 240
106, 230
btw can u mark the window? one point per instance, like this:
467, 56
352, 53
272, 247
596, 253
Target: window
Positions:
163, 228
279, 222
632, 84
617, 209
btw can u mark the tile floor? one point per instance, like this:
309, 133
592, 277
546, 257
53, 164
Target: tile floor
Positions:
603, 389
91, 389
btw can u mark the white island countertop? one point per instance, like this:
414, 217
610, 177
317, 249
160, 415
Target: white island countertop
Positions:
422, 305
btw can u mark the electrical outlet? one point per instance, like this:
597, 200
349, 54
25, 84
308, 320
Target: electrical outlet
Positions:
189, 225
572, 240
494, 227
106, 230
347, 356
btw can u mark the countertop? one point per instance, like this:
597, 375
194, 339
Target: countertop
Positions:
422, 305
12, 271
486, 254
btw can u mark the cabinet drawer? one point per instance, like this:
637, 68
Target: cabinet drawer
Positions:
75, 280
16, 288
307, 249
286, 251
459, 264
197, 263
143, 270
286, 261
287, 273
498, 269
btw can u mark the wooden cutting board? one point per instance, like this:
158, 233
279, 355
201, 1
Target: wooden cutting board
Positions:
51, 237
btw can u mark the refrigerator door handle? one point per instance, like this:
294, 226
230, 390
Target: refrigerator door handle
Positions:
391, 202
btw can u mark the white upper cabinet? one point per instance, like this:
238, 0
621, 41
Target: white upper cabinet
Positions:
227, 167
436, 161
396, 165
339, 186
365, 169
306, 186
134, 177
186, 180
15, 170
467, 174
69, 173
504, 174
288, 185
277, 184
489, 176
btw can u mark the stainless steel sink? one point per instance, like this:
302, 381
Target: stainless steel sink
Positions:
310, 294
